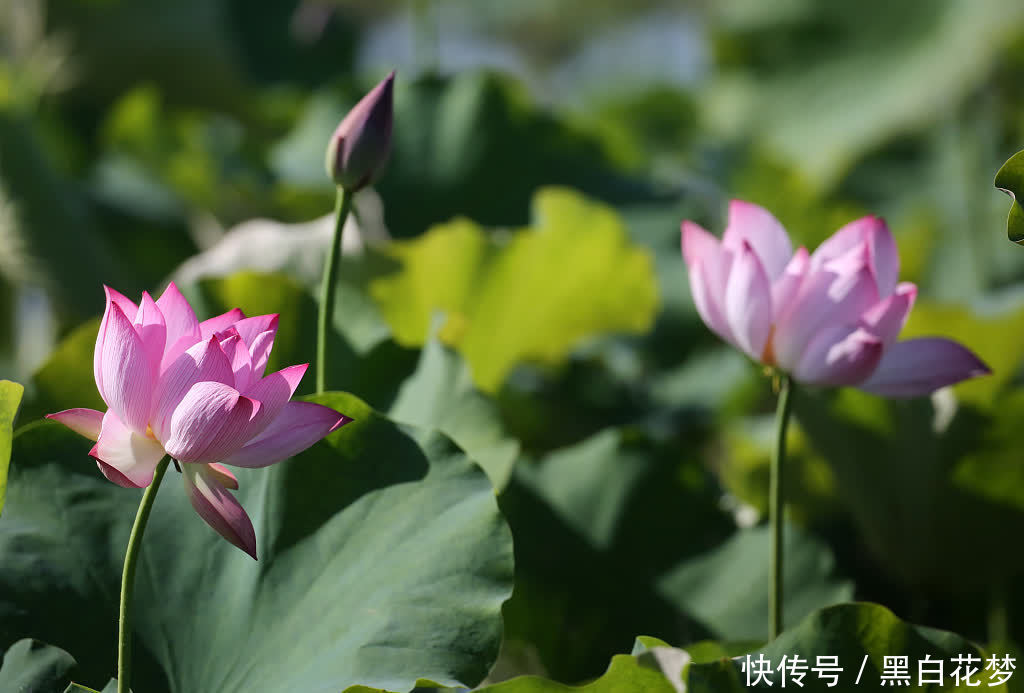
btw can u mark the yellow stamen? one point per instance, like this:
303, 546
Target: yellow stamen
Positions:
768, 354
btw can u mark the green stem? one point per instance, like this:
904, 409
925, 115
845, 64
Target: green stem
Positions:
775, 502
131, 559
342, 206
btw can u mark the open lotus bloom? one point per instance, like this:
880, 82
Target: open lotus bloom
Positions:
827, 318
195, 391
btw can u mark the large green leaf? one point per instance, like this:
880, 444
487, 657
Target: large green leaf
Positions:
578, 606
585, 519
727, 588
30, 666
859, 635
10, 398
1010, 179
625, 674
382, 559
613, 487
440, 394
515, 301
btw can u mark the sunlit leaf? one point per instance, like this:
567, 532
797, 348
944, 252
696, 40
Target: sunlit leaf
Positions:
10, 398
514, 301
1010, 179
382, 560
861, 636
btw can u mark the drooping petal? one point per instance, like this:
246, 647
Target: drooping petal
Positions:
182, 325
208, 328
128, 307
126, 375
218, 507
224, 476
210, 423
785, 288
204, 362
873, 231
887, 317
113, 475
839, 356
836, 294
748, 302
149, 323
84, 422
132, 455
299, 425
758, 227
708, 268
920, 366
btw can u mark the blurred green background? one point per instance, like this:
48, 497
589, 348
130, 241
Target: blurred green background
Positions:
545, 153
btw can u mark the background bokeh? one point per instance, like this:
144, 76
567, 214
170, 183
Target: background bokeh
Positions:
519, 261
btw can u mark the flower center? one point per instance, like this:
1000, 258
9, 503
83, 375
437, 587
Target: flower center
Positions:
768, 355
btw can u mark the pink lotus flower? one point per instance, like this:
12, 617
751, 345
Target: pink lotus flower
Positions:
195, 391
827, 318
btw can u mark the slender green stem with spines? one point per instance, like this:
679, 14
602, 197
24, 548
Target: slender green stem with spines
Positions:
131, 559
342, 206
776, 501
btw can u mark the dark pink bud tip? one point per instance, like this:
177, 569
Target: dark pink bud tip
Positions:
360, 146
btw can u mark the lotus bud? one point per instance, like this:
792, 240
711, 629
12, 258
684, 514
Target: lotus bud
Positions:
360, 145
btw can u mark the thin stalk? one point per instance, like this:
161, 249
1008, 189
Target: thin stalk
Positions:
776, 502
342, 206
131, 559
